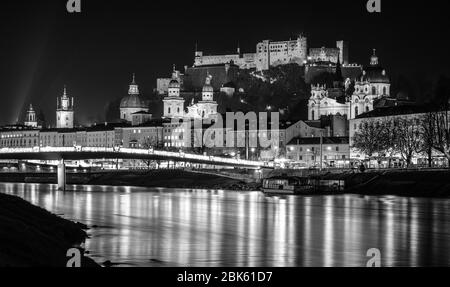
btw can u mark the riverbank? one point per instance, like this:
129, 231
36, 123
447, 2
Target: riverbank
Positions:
420, 183
423, 183
152, 178
33, 237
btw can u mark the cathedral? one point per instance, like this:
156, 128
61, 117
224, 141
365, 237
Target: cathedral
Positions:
371, 86
204, 109
132, 103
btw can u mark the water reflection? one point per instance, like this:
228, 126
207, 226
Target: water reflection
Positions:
157, 227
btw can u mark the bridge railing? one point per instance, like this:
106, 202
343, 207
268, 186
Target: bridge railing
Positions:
168, 154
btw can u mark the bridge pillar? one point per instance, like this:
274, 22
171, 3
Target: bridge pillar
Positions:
61, 176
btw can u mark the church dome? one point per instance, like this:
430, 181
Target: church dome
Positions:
174, 84
208, 88
376, 75
132, 101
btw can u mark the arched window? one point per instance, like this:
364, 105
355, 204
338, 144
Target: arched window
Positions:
312, 115
374, 91
168, 110
356, 111
384, 91
367, 109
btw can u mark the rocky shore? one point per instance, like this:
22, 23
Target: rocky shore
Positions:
33, 237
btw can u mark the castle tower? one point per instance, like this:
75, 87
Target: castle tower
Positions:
30, 118
64, 111
132, 103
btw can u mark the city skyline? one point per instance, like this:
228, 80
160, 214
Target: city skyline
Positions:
64, 46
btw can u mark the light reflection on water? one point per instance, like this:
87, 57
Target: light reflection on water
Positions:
157, 227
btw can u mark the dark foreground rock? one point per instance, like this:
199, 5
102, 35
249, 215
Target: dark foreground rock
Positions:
33, 237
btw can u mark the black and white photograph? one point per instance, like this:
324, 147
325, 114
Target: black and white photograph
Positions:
224, 134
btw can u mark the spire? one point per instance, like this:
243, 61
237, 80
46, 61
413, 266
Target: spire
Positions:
65, 91
31, 107
374, 58
134, 89
238, 48
174, 68
208, 78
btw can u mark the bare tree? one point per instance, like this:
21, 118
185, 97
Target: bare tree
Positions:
407, 139
388, 139
427, 136
368, 138
441, 140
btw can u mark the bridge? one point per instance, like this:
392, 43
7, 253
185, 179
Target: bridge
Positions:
62, 154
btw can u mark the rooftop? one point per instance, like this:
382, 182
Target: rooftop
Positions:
396, 110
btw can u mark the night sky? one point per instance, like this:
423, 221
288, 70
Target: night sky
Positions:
94, 53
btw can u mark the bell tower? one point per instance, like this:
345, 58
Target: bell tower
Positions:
31, 119
64, 111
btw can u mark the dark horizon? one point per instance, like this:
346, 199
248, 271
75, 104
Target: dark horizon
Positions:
95, 53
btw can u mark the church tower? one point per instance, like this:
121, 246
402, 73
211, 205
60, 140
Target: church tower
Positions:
64, 111
30, 118
173, 102
207, 106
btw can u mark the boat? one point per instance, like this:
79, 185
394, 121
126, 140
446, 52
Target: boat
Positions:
287, 185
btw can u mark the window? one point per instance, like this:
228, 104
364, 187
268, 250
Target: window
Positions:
356, 111
374, 91
384, 91
337, 148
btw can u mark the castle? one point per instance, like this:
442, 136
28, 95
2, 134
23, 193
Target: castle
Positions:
274, 53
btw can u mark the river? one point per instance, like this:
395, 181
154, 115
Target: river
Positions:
137, 226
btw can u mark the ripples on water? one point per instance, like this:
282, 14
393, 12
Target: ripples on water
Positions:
162, 227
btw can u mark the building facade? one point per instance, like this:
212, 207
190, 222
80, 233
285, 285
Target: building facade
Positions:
308, 152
